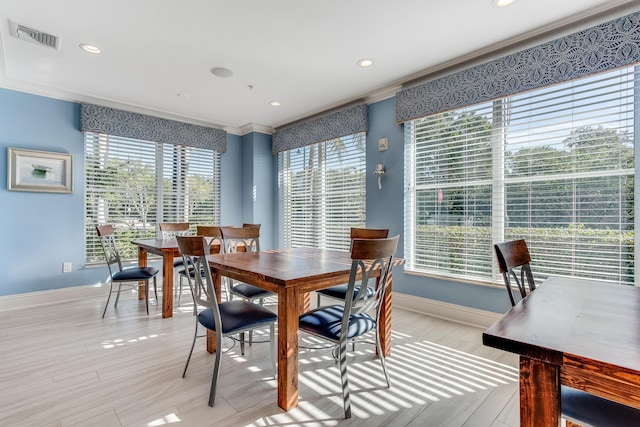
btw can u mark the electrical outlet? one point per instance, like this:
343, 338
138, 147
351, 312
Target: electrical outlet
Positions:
66, 267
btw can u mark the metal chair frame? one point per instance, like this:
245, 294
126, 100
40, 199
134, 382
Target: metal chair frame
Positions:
355, 233
106, 234
369, 257
244, 315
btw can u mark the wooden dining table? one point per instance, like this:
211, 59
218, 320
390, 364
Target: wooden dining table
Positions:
580, 333
292, 274
168, 250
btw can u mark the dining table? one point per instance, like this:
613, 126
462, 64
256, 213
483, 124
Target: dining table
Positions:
291, 274
168, 250
576, 332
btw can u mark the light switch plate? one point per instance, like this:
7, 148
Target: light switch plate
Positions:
383, 144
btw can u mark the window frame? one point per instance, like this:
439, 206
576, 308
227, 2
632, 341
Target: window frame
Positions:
170, 171
500, 179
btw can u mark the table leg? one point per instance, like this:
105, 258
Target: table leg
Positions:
539, 393
142, 262
288, 309
384, 322
167, 285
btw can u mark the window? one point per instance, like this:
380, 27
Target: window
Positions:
322, 192
135, 184
554, 166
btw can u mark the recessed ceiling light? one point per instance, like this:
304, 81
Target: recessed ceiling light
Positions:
365, 62
221, 72
90, 48
502, 3
274, 103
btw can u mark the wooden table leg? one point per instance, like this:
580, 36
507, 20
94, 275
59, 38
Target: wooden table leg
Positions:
288, 309
384, 322
167, 285
142, 262
539, 393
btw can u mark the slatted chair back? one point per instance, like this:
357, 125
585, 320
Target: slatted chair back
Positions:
241, 239
169, 230
369, 233
514, 263
368, 257
213, 235
194, 250
107, 238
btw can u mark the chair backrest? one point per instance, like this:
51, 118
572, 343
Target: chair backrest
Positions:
369, 233
194, 250
169, 230
109, 248
368, 257
213, 235
241, 239
514, 255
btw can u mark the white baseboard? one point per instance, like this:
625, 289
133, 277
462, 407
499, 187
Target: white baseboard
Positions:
447, 311
33, 299
453, 312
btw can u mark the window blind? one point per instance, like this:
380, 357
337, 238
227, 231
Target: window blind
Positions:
554, 166
135, 184
322, 192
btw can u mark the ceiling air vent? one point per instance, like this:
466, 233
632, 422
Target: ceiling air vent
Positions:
34, 36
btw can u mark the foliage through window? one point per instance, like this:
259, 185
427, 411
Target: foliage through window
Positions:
554, 166
322, 192
135, 184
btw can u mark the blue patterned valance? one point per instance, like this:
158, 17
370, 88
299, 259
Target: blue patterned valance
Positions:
95, 118
334, 125
604, 47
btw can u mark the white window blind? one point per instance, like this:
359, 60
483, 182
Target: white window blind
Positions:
554, 166
135, 184
322, 191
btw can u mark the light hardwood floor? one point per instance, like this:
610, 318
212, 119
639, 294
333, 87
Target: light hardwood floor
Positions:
62, 365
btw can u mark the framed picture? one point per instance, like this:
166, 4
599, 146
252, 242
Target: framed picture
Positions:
42, 171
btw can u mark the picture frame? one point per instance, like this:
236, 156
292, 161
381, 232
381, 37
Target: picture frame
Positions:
39, 171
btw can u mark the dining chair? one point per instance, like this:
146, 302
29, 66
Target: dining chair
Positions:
169, 230
339, 292
514, 260
360, 312
578, 408
135, 275
213, 236
243, 239
224, 318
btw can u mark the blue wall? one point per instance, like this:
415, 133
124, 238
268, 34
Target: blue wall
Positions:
40, 231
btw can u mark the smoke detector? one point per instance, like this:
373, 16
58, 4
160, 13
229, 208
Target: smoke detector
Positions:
34, 36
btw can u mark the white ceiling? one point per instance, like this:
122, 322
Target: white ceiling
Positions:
156, 54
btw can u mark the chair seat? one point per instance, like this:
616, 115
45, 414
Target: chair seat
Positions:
237, 316
135, 273
249, 291
586, 408
340, 291
327, 322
